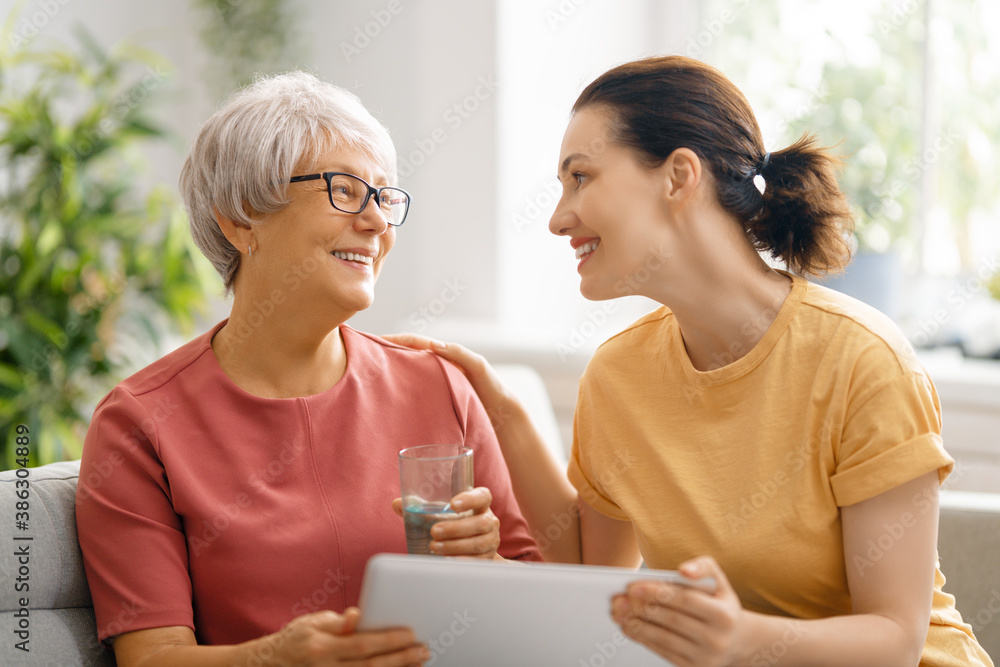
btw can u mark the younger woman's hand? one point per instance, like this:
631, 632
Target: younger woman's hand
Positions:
477, 535
685, 625
492, 394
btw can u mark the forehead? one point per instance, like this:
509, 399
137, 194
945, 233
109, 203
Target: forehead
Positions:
348, 159
588, 134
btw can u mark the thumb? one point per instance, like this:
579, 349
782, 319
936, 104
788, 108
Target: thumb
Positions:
351, 617
704, 567
397, 506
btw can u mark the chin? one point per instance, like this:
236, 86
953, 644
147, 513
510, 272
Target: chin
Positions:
593, 292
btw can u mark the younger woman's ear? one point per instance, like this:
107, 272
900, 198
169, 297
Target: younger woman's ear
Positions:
682, 171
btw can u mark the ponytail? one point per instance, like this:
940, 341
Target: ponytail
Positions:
803, 218
661, 104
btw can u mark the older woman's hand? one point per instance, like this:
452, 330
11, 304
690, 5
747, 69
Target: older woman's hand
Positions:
477, 535
328, 638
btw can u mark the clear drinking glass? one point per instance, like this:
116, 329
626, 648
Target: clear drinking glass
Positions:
429, 477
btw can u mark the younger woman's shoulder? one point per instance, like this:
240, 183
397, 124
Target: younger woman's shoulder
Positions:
854, 324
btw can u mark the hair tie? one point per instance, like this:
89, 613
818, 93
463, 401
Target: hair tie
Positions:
758, 178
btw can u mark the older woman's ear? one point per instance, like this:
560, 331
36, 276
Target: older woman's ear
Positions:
240, 234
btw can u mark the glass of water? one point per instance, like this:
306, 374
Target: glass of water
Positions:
430, 476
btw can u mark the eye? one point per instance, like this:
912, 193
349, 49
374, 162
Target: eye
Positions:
578, 177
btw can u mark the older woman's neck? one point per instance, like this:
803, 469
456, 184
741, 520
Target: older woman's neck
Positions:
272, 352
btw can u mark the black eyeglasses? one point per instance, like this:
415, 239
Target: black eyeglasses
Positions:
350, 194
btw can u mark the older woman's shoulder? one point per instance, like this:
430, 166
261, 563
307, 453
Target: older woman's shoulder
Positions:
169, 366
380, 355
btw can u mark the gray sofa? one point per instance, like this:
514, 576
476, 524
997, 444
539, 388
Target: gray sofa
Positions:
61, 619
61, 628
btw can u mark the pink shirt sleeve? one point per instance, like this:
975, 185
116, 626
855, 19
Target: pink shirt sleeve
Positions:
120, 469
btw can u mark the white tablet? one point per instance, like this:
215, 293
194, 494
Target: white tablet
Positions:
480, 613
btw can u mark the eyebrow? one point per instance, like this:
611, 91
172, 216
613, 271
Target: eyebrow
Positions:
569, 158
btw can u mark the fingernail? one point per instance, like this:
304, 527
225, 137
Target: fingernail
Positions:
458, 505
434, 546
620, 606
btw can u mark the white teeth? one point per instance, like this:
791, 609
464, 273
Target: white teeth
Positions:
586, 249
352, 257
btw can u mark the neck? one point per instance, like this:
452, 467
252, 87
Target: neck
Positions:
280, 351
724, 296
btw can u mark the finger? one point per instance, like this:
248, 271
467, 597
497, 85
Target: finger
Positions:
651, 610
677, 649
326, 621
477, 499
690, 601
706, 566
362, 645
479, 546
470, 526
397, 506
415, 341
351, 616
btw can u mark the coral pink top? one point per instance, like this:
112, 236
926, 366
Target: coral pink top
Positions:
203, 506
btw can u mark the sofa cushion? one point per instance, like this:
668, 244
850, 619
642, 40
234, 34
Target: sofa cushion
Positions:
61, 627
55, 564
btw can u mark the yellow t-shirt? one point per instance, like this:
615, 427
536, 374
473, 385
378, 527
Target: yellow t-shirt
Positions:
751, 462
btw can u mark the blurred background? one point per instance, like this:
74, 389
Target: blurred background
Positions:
100, 100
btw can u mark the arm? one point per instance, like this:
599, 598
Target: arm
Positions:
320, 638
547, 499
891, 590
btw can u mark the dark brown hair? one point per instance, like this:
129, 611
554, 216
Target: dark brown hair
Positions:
661, 104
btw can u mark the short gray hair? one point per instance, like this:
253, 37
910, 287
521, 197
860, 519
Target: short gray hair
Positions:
247, 151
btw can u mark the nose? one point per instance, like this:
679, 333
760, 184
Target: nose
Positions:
371, 217
563, 220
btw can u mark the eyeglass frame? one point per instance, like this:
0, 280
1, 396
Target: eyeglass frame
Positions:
372, 192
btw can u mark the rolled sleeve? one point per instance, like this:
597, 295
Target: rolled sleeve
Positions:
892, 435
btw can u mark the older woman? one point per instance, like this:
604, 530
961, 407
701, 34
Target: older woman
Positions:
251, 473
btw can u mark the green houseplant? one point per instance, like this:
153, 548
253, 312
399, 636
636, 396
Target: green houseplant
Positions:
86, 264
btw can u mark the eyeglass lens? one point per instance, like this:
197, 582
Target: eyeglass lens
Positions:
350, 194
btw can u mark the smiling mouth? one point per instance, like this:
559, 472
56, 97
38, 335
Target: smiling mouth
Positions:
587, 248
353, 257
